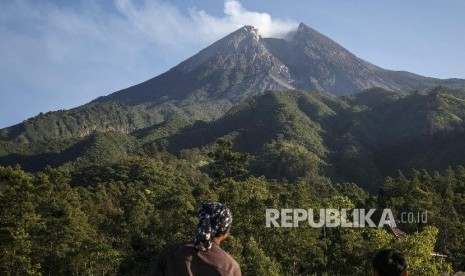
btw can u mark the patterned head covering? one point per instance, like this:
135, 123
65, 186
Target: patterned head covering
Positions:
215, 220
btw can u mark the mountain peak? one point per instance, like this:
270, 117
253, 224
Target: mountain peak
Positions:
305, 33
243, 64
303, 27
246, 33
250, 30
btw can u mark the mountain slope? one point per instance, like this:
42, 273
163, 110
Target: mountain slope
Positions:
80, 122
234, 67
292, 115
316, 62
359, 138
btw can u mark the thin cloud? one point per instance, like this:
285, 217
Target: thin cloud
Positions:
162, 23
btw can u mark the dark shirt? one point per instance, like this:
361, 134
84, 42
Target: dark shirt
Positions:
184, 259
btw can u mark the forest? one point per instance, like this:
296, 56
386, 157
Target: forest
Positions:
114, 217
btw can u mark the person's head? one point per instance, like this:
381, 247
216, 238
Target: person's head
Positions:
389, 263
214, 225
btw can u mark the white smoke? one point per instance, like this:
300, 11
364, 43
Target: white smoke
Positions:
236, 16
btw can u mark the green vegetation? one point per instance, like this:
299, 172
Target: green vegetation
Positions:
114, 218
80, 122
107, 200
360, 138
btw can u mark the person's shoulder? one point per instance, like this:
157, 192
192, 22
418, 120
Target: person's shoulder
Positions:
235, 264
225, 255
231, 264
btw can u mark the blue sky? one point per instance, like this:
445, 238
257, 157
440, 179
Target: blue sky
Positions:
57, 54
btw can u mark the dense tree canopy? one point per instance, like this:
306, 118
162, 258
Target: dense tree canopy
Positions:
114, 218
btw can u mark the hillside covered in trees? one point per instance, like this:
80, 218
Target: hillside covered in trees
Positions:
361, 138
107, 200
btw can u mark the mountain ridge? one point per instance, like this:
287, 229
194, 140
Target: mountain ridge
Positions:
307, 61
360, 138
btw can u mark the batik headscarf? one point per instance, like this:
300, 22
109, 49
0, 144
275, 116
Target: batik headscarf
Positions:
215, 220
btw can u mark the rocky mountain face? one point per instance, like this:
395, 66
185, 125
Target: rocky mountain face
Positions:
316, 62
244, 64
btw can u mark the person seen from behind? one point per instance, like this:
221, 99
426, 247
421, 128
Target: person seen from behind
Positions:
204, 256
389, 263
